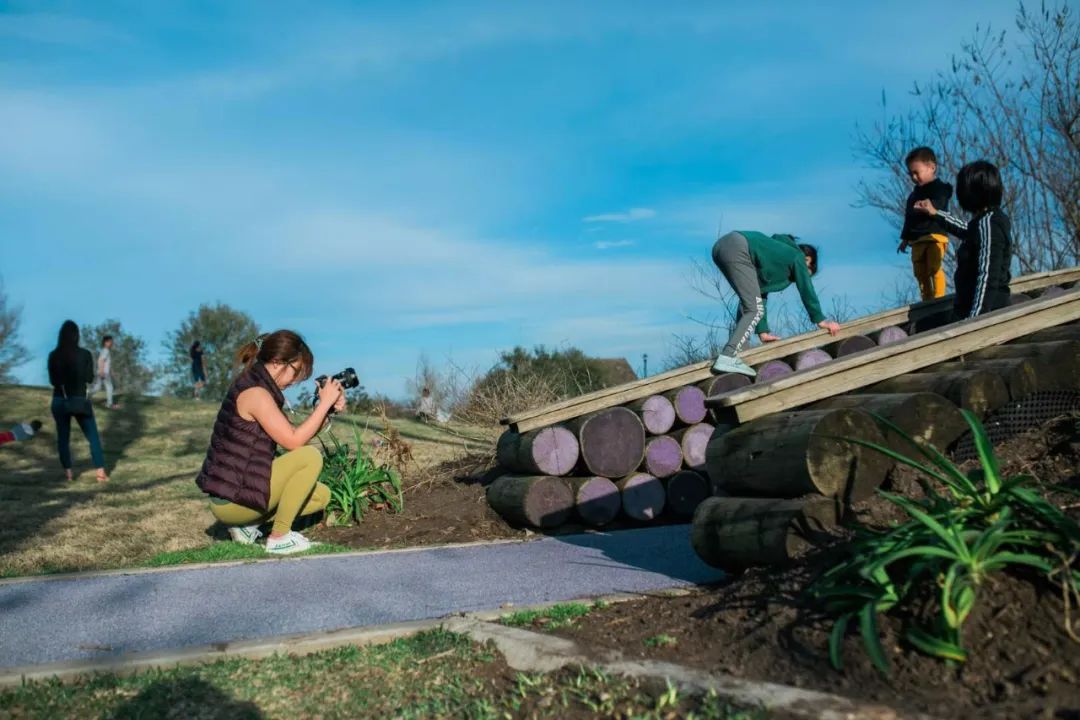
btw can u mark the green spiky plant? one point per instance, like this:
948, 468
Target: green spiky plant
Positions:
967, 527
356, 482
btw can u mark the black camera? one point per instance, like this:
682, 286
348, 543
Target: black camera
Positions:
346, 377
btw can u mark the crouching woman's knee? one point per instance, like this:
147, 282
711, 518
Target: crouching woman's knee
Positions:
310, 456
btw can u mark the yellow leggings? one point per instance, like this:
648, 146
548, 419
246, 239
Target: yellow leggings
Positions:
294, 490
927, 255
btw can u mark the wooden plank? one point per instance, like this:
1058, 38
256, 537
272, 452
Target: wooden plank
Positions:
923, 350
628, 392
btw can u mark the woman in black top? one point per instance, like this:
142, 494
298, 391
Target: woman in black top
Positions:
198, 370
71, 369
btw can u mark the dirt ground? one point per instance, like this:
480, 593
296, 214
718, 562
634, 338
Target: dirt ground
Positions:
1022, 663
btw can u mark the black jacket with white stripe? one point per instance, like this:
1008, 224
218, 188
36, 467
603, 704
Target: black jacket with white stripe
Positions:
982, 262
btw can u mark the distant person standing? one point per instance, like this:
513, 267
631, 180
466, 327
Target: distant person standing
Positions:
104, 372
756, 264
426, 411
198, 370
923, 233
71, 370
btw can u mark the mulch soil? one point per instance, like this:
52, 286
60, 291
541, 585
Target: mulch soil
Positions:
1021, 664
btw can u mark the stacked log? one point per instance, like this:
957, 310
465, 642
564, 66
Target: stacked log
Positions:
547, 451
643, 496
596, 500
736, 533
611, 442
1059, 366
656, 412
889, 335
925, 417
1061, 332
772, 370
1022, 376
791, 454
694, 440
686, 490
723, 383
809, 358
849, 346
979, 391
539, 501
663, 456
689, 403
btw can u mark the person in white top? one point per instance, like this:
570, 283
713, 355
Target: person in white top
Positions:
427, 411
103, 377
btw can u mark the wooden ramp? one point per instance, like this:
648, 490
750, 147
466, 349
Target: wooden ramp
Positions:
765, 469
621, 394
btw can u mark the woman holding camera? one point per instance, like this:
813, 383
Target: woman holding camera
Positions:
246, 483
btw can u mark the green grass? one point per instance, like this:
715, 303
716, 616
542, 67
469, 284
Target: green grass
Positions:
436, 674
153, 450
226, 551
552, 618
660, 640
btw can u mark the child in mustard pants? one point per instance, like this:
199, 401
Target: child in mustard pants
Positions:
925, 235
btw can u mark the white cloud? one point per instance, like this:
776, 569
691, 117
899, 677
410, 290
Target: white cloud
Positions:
609, 244
631, 215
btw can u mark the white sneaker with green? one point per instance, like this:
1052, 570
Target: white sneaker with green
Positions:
728, 364
290, 542
245, 534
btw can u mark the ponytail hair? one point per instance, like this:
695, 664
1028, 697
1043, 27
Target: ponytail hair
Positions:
281, 346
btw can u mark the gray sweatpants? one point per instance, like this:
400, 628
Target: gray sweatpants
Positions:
731, 253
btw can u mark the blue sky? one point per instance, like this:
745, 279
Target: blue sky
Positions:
453, 179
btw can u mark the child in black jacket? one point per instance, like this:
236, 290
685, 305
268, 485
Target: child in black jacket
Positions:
985, 253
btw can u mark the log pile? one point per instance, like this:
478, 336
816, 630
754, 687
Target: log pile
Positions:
762, 491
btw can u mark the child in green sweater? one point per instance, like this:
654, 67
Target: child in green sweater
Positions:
756, 264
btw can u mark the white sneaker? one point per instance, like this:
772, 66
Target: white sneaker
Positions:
245, 534
291, 542
726, 364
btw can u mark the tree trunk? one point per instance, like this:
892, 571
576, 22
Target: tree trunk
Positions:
541, 501
889, 335
809, 358
642, 496
694, 440
849, 346
979, 391
1060, 361
611, 442
735, 533
596, 499
926, 417
772, 370
791, 454
685, 491
656, 412
663, 456
547, 451
1022, 376
689, 402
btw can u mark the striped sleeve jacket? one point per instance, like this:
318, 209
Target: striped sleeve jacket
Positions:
983, 260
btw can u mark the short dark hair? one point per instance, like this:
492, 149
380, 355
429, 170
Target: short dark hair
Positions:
978, 186
811, 252
921, 154
106, 339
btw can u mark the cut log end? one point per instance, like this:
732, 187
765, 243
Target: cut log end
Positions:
612, 442
810, 358
850, 346
694, 441
772, 370
657, 413
663, 456
685, 491
596, 500
689, 403
643, 496
889, 335
547, 451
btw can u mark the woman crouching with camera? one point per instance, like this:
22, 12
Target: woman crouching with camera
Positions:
247, 485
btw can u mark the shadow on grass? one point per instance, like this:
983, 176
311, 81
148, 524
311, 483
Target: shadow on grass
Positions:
186, 697
228, 551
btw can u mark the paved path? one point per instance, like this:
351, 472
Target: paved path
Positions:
83, 618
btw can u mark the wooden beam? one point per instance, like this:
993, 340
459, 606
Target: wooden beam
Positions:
628, 392
871, 366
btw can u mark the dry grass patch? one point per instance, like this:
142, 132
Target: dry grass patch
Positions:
153, 450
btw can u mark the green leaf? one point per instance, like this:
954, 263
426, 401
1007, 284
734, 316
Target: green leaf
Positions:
949, 537
991, 471
871, 640
836, 641
935, 646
